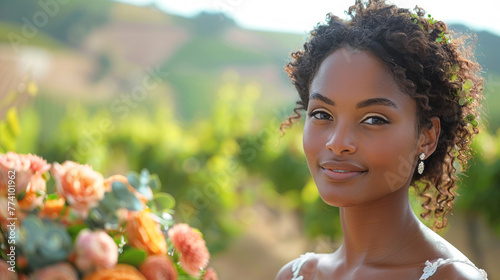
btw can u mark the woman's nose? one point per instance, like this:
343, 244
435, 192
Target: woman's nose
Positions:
341, 141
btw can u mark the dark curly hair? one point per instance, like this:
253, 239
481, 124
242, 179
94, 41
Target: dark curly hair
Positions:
433, 67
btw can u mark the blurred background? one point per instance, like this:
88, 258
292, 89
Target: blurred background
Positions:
196, 92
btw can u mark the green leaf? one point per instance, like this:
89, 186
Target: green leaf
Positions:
155, 183
162, 202
20, 196
462, 101
46, 176
467, 86
144, 177
127, 199
439, 39
52, 196
73, 231
470, 117
133, 179
141, 183
186, 277
132, 257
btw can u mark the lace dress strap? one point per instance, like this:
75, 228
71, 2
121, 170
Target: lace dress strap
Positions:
297, 265
431, 267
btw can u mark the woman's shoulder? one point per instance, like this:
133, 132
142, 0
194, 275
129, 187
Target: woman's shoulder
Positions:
302, 268
452, 269
447, 262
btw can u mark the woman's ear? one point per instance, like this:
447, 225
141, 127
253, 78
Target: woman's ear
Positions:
429, 137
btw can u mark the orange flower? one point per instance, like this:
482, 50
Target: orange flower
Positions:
158, 267
80, 185
53, 208
210, 274
145, 233
34, 193
119, 272
189, 242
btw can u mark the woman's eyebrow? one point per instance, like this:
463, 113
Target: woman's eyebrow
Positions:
365, 103
376, 101
319, 96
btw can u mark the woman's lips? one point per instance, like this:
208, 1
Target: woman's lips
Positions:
341, 171
341, 175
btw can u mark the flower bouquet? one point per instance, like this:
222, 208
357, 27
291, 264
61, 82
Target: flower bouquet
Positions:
90, 227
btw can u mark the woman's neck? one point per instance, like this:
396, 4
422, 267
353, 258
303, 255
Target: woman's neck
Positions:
380, 232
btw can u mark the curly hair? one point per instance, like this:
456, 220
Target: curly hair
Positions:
436, 70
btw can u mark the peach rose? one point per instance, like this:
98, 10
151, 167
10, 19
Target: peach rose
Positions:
60, 271
82, 187
145, 233
119, 272
192, 247
158, 267
34, 194
210, 274
5, 273
24, 167
95, 250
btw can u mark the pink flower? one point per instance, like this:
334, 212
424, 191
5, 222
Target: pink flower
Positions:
24, 167
57, 271
210, 274
190, 244
5, 273
95, 250
158, 267
82, 187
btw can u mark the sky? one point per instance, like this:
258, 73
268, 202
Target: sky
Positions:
280, 15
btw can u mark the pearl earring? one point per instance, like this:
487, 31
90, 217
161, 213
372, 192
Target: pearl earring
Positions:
421, 164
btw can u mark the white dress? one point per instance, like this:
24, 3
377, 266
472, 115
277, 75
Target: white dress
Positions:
429, 269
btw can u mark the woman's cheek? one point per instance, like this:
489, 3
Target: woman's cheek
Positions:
310, 142
393, 160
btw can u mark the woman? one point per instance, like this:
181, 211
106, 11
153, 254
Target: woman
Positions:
390, 101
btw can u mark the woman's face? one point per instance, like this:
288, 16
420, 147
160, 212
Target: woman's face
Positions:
359, 135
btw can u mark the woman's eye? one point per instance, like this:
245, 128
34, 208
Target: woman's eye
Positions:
374, 120
320, 115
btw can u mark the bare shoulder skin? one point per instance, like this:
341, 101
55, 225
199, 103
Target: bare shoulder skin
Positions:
308, 270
